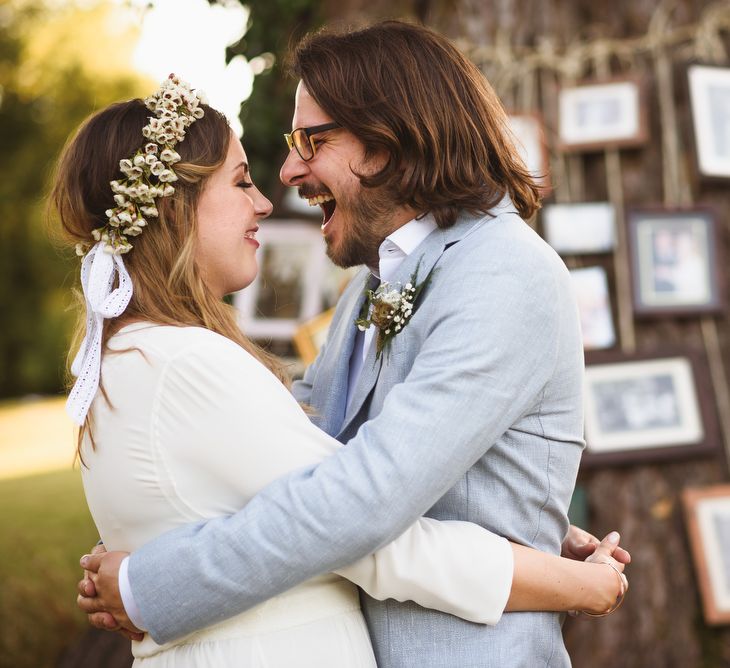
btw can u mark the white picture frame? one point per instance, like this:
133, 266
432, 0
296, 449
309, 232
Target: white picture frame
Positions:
288, 287
590, 285
602, 114
580, 229
641, 404
709, 92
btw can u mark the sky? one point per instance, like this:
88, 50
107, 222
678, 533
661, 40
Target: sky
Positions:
189, 37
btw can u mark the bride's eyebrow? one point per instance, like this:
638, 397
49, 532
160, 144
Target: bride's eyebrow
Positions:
241, 165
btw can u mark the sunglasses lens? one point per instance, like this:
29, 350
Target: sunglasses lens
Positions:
302, 144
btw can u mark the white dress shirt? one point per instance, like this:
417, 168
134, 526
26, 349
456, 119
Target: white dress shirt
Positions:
395, 248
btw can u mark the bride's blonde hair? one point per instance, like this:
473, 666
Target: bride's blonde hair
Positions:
168, 285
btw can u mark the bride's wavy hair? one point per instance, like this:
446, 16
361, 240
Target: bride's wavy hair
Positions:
408, 93
168, 285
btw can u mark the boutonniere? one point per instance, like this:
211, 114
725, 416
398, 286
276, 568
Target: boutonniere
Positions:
389, 307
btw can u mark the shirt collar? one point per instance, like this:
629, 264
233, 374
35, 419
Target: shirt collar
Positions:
402, 242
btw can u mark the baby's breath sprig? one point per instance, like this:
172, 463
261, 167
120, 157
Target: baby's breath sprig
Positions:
390, 307
149, 173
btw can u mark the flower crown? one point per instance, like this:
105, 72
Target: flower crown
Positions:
149, 172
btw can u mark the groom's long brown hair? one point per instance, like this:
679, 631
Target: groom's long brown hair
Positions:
408, 93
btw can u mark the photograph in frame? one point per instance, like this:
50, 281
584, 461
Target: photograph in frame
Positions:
590, 285
645, 407
288, 288
529, 135
580, 229
709, 91
602, 114
707, 513
674, 261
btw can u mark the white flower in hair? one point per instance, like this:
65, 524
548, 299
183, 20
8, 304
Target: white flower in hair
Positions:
157, 168
148, 173
169, 156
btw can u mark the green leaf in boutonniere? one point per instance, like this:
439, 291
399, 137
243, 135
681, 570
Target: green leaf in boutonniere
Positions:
390, 307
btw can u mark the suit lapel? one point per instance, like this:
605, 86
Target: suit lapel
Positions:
330, 393
424, 257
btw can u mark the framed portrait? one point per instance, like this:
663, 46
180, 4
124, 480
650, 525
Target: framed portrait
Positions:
288, 288
529, 134
709, 91
594, 305
674, 261
707, 513
578, 229
646, 408
602, 114
311, 335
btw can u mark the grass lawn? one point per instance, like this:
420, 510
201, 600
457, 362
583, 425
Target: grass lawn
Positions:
36, 436
44, 528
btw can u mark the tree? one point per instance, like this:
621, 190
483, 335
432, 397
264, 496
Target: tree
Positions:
56, 66
274, 26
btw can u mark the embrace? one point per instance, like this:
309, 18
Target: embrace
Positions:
405, 503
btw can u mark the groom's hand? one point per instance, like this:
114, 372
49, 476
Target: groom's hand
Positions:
579, 545
99, 595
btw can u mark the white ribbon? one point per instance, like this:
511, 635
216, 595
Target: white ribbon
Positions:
99, 270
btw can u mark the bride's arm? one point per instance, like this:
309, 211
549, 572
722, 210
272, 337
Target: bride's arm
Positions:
467, 571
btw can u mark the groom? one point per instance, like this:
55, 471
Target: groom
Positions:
465, 404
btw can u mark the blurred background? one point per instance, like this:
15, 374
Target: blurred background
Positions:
622, 111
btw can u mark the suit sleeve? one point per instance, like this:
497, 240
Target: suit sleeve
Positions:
492, 345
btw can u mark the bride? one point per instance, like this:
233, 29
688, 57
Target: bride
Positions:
183, 418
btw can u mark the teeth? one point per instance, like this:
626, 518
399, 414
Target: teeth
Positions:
319, 199
250, 235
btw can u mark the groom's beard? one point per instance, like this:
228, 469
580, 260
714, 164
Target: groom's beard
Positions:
367, 218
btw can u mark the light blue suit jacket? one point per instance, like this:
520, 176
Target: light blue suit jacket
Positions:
475, 413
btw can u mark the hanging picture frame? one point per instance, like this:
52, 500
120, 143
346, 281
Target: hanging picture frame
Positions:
599, 114
590, 285
707, 514
287, 290
580, 228
528, 130
709, 93
647, 407
675, 264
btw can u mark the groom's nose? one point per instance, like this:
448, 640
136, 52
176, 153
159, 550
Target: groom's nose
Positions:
293, 170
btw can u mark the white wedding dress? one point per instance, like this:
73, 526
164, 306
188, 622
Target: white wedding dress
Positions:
194, 428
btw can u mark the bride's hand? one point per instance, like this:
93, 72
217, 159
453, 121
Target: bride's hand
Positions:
99, 594
611, 583
579, 545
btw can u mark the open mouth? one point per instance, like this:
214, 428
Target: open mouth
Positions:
251, 235
328, 205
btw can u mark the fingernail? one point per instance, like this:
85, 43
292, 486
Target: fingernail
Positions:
84, 560
613, 537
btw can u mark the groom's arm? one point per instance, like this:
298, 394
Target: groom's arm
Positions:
432, 428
